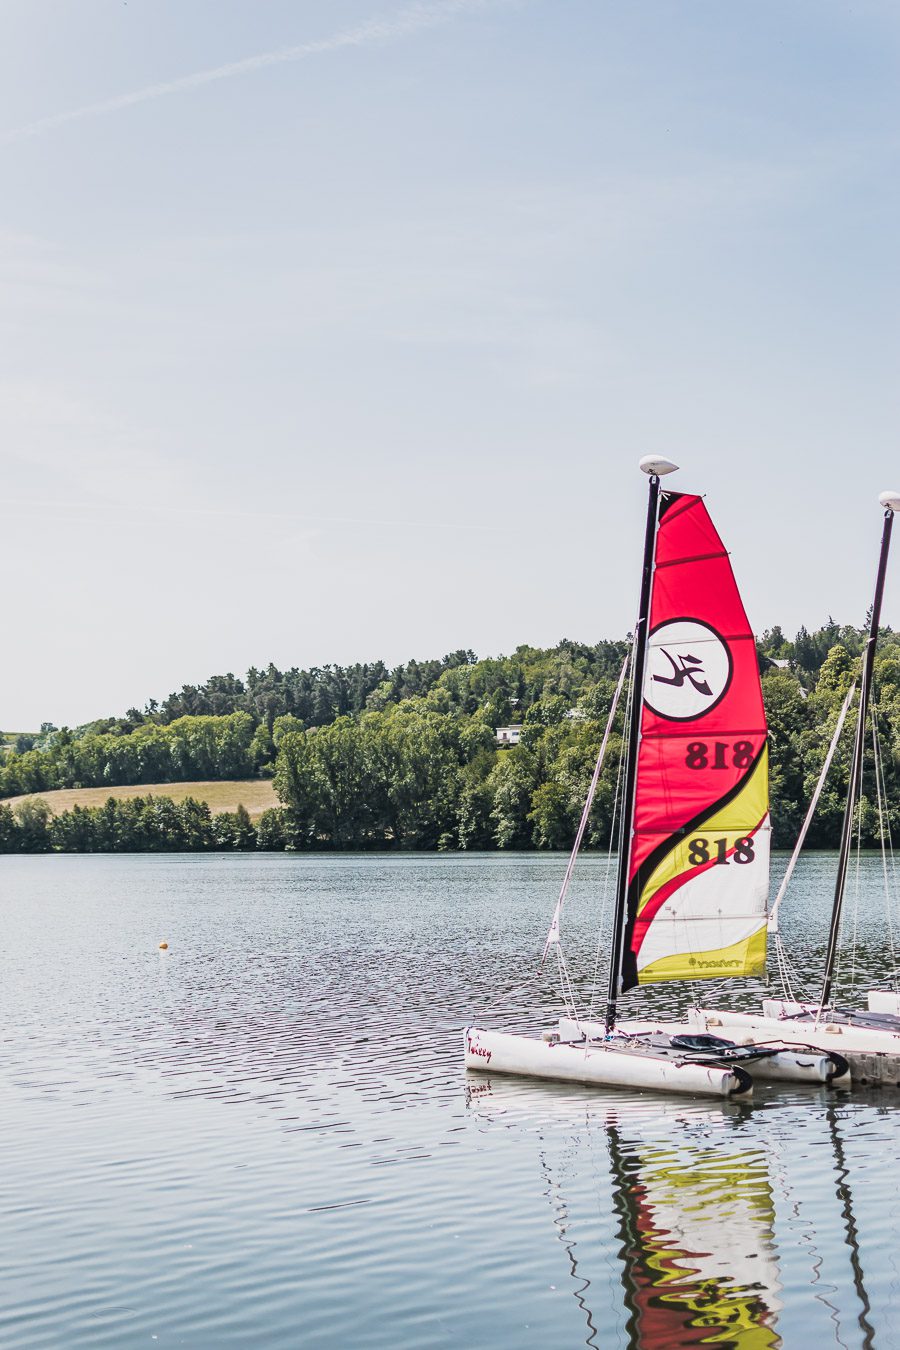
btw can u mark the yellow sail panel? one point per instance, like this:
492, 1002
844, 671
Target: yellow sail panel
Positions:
735, 819
702, 912
747, 957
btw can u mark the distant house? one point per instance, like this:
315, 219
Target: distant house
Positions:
780, 663
508, 735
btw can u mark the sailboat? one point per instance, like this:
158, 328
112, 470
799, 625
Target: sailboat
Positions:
870, 1039
693, 857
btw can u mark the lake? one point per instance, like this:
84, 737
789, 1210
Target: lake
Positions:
264, 1136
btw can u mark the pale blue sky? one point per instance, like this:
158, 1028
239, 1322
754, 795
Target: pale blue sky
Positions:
351, 353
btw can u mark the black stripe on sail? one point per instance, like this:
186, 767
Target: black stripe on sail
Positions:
653, 860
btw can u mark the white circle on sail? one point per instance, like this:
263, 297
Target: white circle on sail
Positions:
688, 669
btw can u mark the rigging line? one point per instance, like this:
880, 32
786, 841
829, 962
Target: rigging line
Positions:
893, 879
856, 762
787, 973
893, 871
883, 828
796, 990
553, 933
785, 970
568, 988
798, 984
776, 948
857, 878
851, 922
565, 980
613, 826
811, 810
612, 856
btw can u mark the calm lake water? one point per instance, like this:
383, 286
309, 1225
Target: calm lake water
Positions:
264, 1136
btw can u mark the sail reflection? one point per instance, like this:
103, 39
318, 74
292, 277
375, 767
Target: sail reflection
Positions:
666, 1219
697, 1252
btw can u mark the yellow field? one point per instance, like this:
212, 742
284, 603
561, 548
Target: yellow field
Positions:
255, 793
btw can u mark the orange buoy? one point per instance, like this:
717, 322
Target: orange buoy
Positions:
164, 946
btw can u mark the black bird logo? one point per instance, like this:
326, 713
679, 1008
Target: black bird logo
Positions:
686, 668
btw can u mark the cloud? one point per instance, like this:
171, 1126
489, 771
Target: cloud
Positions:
412, 19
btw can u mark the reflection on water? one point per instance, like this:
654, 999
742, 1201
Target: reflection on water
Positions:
698, 1264
699, 1241
265, 1135
697, 1245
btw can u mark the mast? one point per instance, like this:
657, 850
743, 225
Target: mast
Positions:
891, 503
654, 468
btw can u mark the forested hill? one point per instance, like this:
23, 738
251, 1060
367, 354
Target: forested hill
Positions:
364, 756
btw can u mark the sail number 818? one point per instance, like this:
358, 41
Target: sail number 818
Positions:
699, 851
719, 755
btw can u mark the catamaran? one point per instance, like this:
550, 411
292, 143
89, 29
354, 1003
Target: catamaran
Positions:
868, 1039
693, 857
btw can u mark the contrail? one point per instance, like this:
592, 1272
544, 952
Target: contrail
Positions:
136, 511
413, 19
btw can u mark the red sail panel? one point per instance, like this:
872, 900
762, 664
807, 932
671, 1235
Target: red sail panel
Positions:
698, 865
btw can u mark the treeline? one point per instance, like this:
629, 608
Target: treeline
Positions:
417, 776
237, 743
424, 770
420, 776
139, 825
226, 747
318, 696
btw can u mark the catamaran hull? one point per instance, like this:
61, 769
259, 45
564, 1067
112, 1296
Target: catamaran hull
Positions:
884, 1001
873, 1056
791, 1064
598, 1065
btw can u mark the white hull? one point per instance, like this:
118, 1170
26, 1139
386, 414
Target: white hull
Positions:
598, 1065
884, 1001
873, 1054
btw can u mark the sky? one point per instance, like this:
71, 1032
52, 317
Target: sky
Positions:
333, 331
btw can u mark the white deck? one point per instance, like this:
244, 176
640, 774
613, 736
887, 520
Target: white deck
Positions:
873, 1054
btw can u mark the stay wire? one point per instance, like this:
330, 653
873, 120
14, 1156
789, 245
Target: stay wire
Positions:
884, 836
604, 903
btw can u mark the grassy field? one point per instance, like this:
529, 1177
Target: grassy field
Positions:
255, 793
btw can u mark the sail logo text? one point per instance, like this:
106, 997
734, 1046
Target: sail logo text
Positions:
706, 965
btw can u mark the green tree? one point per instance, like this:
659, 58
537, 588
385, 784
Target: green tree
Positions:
271, 832
9, 830
33, 818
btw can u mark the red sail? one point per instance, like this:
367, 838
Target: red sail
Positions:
698, 866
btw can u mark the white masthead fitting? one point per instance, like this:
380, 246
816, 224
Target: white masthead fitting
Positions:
653, 464
890, 500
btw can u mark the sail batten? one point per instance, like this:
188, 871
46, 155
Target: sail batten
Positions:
698, 861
